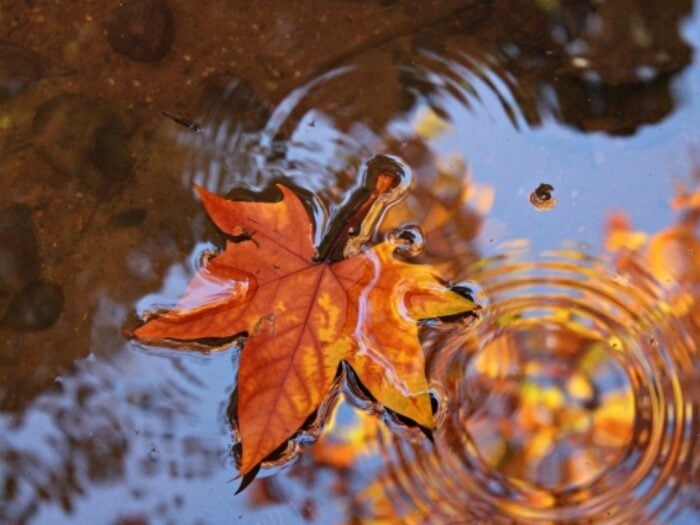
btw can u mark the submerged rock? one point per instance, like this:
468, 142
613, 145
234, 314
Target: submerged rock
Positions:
36, 307
20, 67
19, 253
143, 30
84, 138
26, 302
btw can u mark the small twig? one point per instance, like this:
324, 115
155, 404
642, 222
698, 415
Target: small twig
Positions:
189, 124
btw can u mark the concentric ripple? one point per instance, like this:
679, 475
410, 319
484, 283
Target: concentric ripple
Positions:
571, 401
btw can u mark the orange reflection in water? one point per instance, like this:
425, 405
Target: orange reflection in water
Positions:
574, 399
561, 411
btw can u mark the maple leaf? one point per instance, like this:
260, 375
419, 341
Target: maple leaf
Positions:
303, 317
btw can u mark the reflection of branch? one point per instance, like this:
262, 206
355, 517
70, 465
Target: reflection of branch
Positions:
102, 433
439, 13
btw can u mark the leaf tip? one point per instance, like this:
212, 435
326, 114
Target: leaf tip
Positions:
428, 433
286, 192
147, 330
202, 191
425, 420
248, 478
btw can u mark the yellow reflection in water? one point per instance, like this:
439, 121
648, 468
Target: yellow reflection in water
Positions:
558, 411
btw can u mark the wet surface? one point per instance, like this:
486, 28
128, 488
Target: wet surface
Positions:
575, 397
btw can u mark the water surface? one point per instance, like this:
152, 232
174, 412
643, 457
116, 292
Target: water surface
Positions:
574, 398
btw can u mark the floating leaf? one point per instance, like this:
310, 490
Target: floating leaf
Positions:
303, 317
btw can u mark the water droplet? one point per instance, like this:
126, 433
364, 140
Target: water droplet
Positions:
408, 239
542, 198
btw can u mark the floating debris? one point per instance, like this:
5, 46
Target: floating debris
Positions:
542, 198
190, 124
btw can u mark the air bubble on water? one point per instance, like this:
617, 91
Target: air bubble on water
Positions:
408, 239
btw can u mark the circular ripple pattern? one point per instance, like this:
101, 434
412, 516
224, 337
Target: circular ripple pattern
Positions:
571, 401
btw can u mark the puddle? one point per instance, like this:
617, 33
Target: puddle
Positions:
572, 396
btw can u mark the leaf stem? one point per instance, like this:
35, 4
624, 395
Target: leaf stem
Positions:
355, 222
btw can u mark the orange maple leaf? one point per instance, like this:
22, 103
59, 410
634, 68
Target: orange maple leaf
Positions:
303, 317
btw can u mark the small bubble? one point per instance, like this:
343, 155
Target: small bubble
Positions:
542, 198
408, 239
